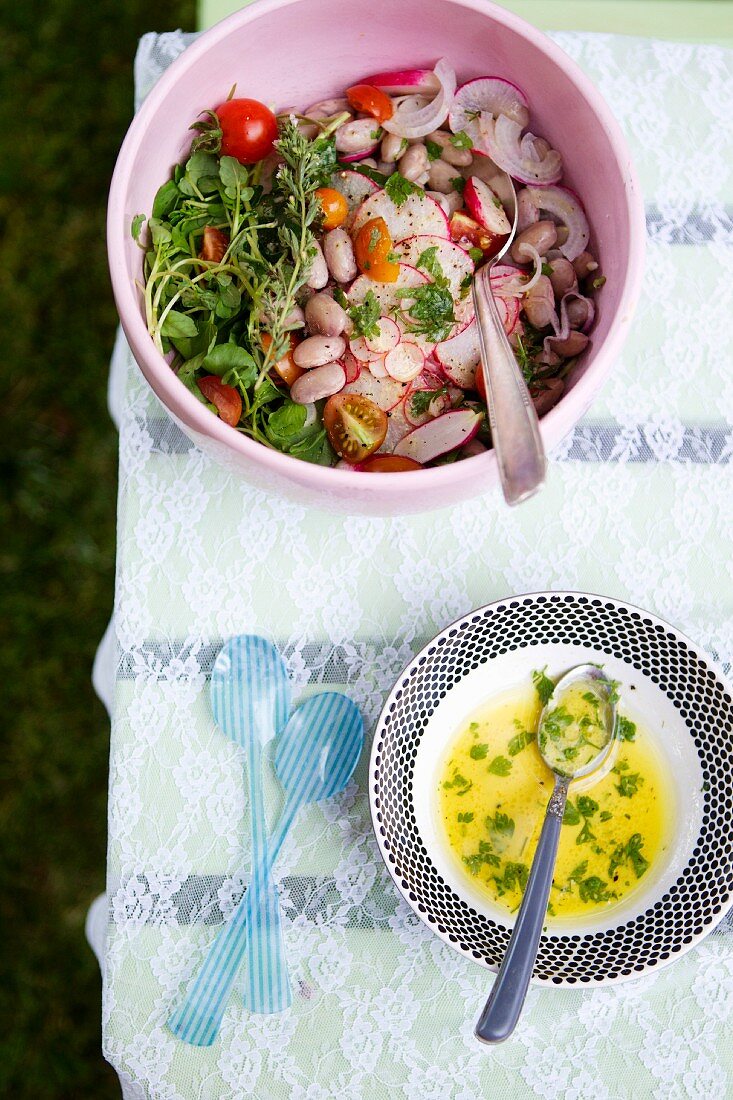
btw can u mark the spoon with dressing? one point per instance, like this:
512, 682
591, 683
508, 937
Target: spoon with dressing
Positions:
575, 736
515, 428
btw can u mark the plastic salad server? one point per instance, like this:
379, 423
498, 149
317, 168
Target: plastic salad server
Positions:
315, 758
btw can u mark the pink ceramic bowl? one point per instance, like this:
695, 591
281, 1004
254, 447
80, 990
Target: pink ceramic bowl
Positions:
300, 51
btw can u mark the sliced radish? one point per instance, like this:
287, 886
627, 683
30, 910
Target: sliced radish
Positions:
454, 262
441, 435
384, 392
355, 187
492, 94
507, 281
351, 365
404, 362
502, 140
405, 82
417, 214
387, 337
398, 426
386, 294
377, 367
460, 356
360, 350
484, 205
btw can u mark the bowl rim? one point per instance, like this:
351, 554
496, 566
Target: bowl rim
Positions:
656, 620
390, 487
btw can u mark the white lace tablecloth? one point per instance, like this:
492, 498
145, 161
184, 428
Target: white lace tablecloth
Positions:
638, 506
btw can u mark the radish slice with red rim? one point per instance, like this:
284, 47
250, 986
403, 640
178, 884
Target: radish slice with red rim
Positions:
491, 94
398, 427
377, 367
453, 261
351, 158
411, 121
351, 365
404, 362
355, 187
361, 351
406, 82
564, 205
439, 436
417, 214
485, 206
501, 139
386, 338
384, 392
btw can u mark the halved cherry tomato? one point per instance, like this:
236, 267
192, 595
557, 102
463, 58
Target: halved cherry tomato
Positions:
334, 207
371, 101
480, 385
248, 129
356, 426
372, 249
464, 228
286, 369
389, 464
226, 399
214, 244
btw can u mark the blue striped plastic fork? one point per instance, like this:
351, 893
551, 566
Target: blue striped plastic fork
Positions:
315, 758
250, 700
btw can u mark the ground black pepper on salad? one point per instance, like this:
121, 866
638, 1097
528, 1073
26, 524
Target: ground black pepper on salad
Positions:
308, 274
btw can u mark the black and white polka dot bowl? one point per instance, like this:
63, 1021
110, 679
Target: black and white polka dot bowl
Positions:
667, 684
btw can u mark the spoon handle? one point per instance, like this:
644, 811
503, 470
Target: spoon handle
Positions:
198, 1019
515, 428
501, 1012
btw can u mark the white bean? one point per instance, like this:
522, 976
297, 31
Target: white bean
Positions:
316, 351
393, 147
441, 176
573, 345
414, 162
541, 235
539, 303
448, 203
563, 277
318, 274
359, 134
317, 384
461, 158
339, 253
327, 107
325, 316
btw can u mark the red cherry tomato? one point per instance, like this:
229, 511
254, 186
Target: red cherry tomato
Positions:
370, 101
225, 398
389, 464
356, 426
214, 244
248, 129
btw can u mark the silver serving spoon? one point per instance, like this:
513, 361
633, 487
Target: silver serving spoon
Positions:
569, 757
515, 429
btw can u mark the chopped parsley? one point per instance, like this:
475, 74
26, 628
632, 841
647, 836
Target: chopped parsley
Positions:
431, 310
461, 140
501, 828
458, 780
434, 150
421, 400
606, 815
543, 685
365, 316
628, 785
628, 852
428, 261
520, 741
484, 856
571, 815
399, 189
586, 834
479, 752
466, 818
599, 282
515, 876
546, 269
500, 765
476, 254
625, 728
594, 889
587, 806
458, 184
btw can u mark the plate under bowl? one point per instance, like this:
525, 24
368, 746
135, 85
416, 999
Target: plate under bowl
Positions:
680, 697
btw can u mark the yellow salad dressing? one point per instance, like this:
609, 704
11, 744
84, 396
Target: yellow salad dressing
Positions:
493, 789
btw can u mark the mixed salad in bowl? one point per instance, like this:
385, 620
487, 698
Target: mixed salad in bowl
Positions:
308, 273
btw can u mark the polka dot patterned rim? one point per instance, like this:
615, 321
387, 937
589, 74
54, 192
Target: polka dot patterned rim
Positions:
679, 914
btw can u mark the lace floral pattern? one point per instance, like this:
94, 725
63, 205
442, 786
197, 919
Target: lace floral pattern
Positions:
637, 505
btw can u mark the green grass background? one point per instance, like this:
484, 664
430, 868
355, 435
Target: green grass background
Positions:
65, 100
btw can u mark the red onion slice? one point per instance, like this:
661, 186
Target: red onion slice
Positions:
565, 205
491, 94
410, 121
405, 82
501, 139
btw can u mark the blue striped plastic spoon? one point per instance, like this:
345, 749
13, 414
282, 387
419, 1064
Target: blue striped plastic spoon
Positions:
315, 758
250, 700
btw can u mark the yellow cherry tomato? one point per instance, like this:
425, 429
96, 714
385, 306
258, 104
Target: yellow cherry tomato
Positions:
334, 207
